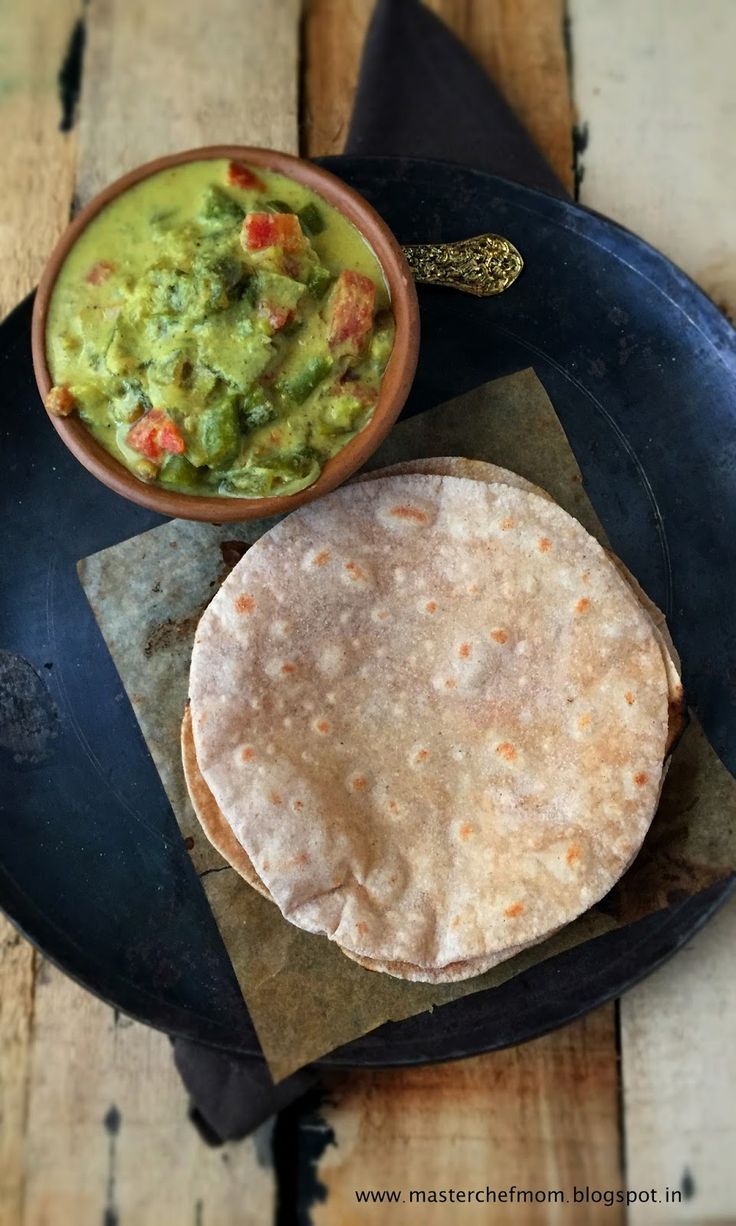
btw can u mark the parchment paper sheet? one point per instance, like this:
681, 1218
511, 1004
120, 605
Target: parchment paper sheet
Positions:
304, 997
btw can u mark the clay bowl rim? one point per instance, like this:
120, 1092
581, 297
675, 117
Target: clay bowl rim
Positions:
395, 385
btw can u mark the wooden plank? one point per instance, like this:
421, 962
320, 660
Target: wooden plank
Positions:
17, 961
679, 1070
334, 31
38, 157
108, 1135
520, 44
162, 77
542, 1117
38, 160
654, 92
653, 87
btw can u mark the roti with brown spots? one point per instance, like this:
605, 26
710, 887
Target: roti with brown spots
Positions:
222, 838
205, 806
410, 706
480, 470
219, 832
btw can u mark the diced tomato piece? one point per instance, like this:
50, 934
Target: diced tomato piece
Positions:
99, 272
261, 230
350, 311
239, 175
154, 434
60, 402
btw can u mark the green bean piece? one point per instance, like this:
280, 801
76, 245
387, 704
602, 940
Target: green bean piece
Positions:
311, 220
296, 463
278, 206
319, 281
253, 481
177, 470
219, 206
303, 383
216, 435
256, 409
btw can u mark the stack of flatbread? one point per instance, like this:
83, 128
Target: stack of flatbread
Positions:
430, 717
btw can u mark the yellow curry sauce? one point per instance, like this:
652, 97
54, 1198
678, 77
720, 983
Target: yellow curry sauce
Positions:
220, 329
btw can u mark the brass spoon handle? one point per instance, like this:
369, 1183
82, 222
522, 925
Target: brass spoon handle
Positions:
485, 265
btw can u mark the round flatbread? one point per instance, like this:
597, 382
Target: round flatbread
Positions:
392, 785
220, 834
210, 818
456, 466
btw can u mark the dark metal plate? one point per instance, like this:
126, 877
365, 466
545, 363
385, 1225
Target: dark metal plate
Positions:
640, 367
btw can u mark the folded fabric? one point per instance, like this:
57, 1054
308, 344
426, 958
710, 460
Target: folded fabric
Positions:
422, 95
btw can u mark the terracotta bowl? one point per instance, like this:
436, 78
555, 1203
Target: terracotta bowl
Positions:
396, 381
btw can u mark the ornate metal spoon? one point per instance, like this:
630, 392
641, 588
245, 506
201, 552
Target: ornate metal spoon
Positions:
485, 265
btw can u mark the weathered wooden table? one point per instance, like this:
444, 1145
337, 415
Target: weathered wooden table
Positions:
634, 103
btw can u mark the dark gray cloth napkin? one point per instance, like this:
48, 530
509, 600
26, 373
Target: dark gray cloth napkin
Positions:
420, 94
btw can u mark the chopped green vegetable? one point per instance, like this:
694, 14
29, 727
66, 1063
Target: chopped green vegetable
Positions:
319, 281
312, 221
223, 273
257, 409
130, 402
212, 435
294, 463
303, 383
278, 206
274, 290
220, 207
251, 480
178, 472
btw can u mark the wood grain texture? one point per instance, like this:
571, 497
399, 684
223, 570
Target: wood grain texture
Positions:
334, 31
519, 42
163, 77
38, 157
679, 1071
34, 209
654, 89
17, 963
542, 1117
108, 1139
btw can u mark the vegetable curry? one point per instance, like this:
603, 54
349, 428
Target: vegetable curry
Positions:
220, 330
